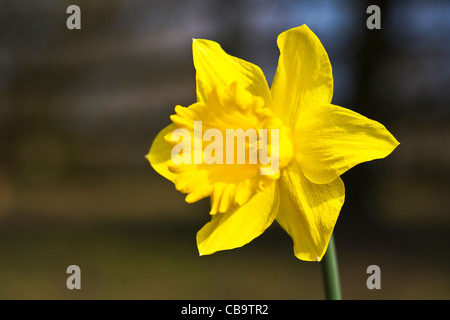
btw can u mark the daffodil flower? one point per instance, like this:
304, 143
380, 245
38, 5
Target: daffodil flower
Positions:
317, 142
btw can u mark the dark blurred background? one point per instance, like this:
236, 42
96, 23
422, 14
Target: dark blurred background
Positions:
79, 110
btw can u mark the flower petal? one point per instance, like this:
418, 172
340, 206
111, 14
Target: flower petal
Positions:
238, 227
308, 211
217, 68
303, 77
331, 139
159, 155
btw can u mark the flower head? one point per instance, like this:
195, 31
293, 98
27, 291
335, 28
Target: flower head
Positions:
262, 154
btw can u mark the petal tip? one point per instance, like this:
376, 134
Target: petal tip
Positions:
308, 257
201, 250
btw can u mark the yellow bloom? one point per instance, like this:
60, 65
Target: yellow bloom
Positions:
316, 143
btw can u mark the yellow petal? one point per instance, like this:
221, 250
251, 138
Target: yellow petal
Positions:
215, 67
241, 225
308, 211
159, 155
303, 77
331, 139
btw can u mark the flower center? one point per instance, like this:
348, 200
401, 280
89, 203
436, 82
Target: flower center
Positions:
228, 147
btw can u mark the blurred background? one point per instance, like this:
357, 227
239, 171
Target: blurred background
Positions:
79, 110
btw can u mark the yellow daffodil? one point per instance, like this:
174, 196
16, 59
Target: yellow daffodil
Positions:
316, 142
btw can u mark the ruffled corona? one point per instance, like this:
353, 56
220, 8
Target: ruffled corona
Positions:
229, 147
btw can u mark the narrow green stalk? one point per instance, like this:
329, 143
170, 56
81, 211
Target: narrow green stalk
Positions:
331, 272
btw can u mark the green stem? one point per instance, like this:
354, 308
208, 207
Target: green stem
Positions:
331, 272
